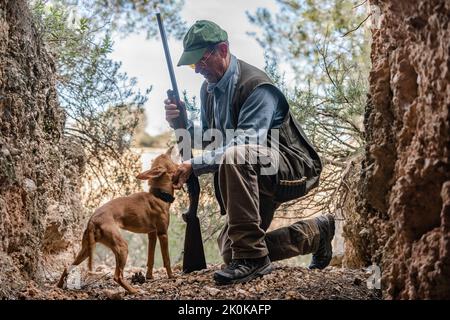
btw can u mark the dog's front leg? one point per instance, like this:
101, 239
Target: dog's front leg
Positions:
164, 243
151, 254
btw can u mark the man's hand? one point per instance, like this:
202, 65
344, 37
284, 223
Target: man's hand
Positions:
172, 111
182, 174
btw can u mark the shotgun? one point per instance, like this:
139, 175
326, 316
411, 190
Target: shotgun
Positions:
193, 254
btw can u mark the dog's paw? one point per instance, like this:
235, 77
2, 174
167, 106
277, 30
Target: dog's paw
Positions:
132, 290
149, 276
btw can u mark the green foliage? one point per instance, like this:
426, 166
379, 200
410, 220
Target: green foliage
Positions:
294, 33
102, 106
132, 16
192, 108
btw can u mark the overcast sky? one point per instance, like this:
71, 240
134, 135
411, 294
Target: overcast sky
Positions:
144, 59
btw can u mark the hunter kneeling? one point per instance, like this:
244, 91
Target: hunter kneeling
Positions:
251, 179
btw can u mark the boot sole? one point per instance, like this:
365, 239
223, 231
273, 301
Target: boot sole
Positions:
261, 271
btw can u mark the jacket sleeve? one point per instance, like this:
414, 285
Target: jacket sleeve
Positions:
255, 120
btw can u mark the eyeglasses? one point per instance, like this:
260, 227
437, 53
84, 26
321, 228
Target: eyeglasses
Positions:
203, 60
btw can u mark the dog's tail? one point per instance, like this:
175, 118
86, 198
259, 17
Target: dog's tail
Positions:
89, 237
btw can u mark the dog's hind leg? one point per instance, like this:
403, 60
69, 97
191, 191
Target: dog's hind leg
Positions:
114, 240
82, 255
63, 278
151, 254
121, 259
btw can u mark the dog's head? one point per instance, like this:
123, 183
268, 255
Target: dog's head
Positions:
161, 171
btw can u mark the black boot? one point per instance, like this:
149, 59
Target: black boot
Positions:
322, 257
243, 270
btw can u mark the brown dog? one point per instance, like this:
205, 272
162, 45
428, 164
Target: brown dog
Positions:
143, 212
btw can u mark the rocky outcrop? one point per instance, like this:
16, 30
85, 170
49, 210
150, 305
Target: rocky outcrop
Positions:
405, 183
39, 170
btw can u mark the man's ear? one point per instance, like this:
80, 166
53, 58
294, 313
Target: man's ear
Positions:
151, 174
223, 49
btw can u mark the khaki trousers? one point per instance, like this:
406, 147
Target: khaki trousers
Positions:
247, 195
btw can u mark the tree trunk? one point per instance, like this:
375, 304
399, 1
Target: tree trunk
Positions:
40, 211
405, 203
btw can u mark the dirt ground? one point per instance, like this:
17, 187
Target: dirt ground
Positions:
285, 282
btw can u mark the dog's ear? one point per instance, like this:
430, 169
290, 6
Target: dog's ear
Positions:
153, 173
175, 157
169, 151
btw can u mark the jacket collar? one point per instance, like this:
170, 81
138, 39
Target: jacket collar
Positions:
228, 75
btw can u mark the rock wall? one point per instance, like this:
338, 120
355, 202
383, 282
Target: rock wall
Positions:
404, 222
40, 210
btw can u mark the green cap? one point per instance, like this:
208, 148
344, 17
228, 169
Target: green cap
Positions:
199, 37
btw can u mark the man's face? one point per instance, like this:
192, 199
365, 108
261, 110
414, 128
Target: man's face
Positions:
212, 65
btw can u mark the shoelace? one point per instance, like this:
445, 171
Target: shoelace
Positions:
242, 262
234, 264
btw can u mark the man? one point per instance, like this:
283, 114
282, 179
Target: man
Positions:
238, 96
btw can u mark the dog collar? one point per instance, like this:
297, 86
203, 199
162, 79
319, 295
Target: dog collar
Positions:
164, 196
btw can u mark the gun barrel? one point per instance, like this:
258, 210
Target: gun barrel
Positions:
194, 254
174, 95
162, 31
